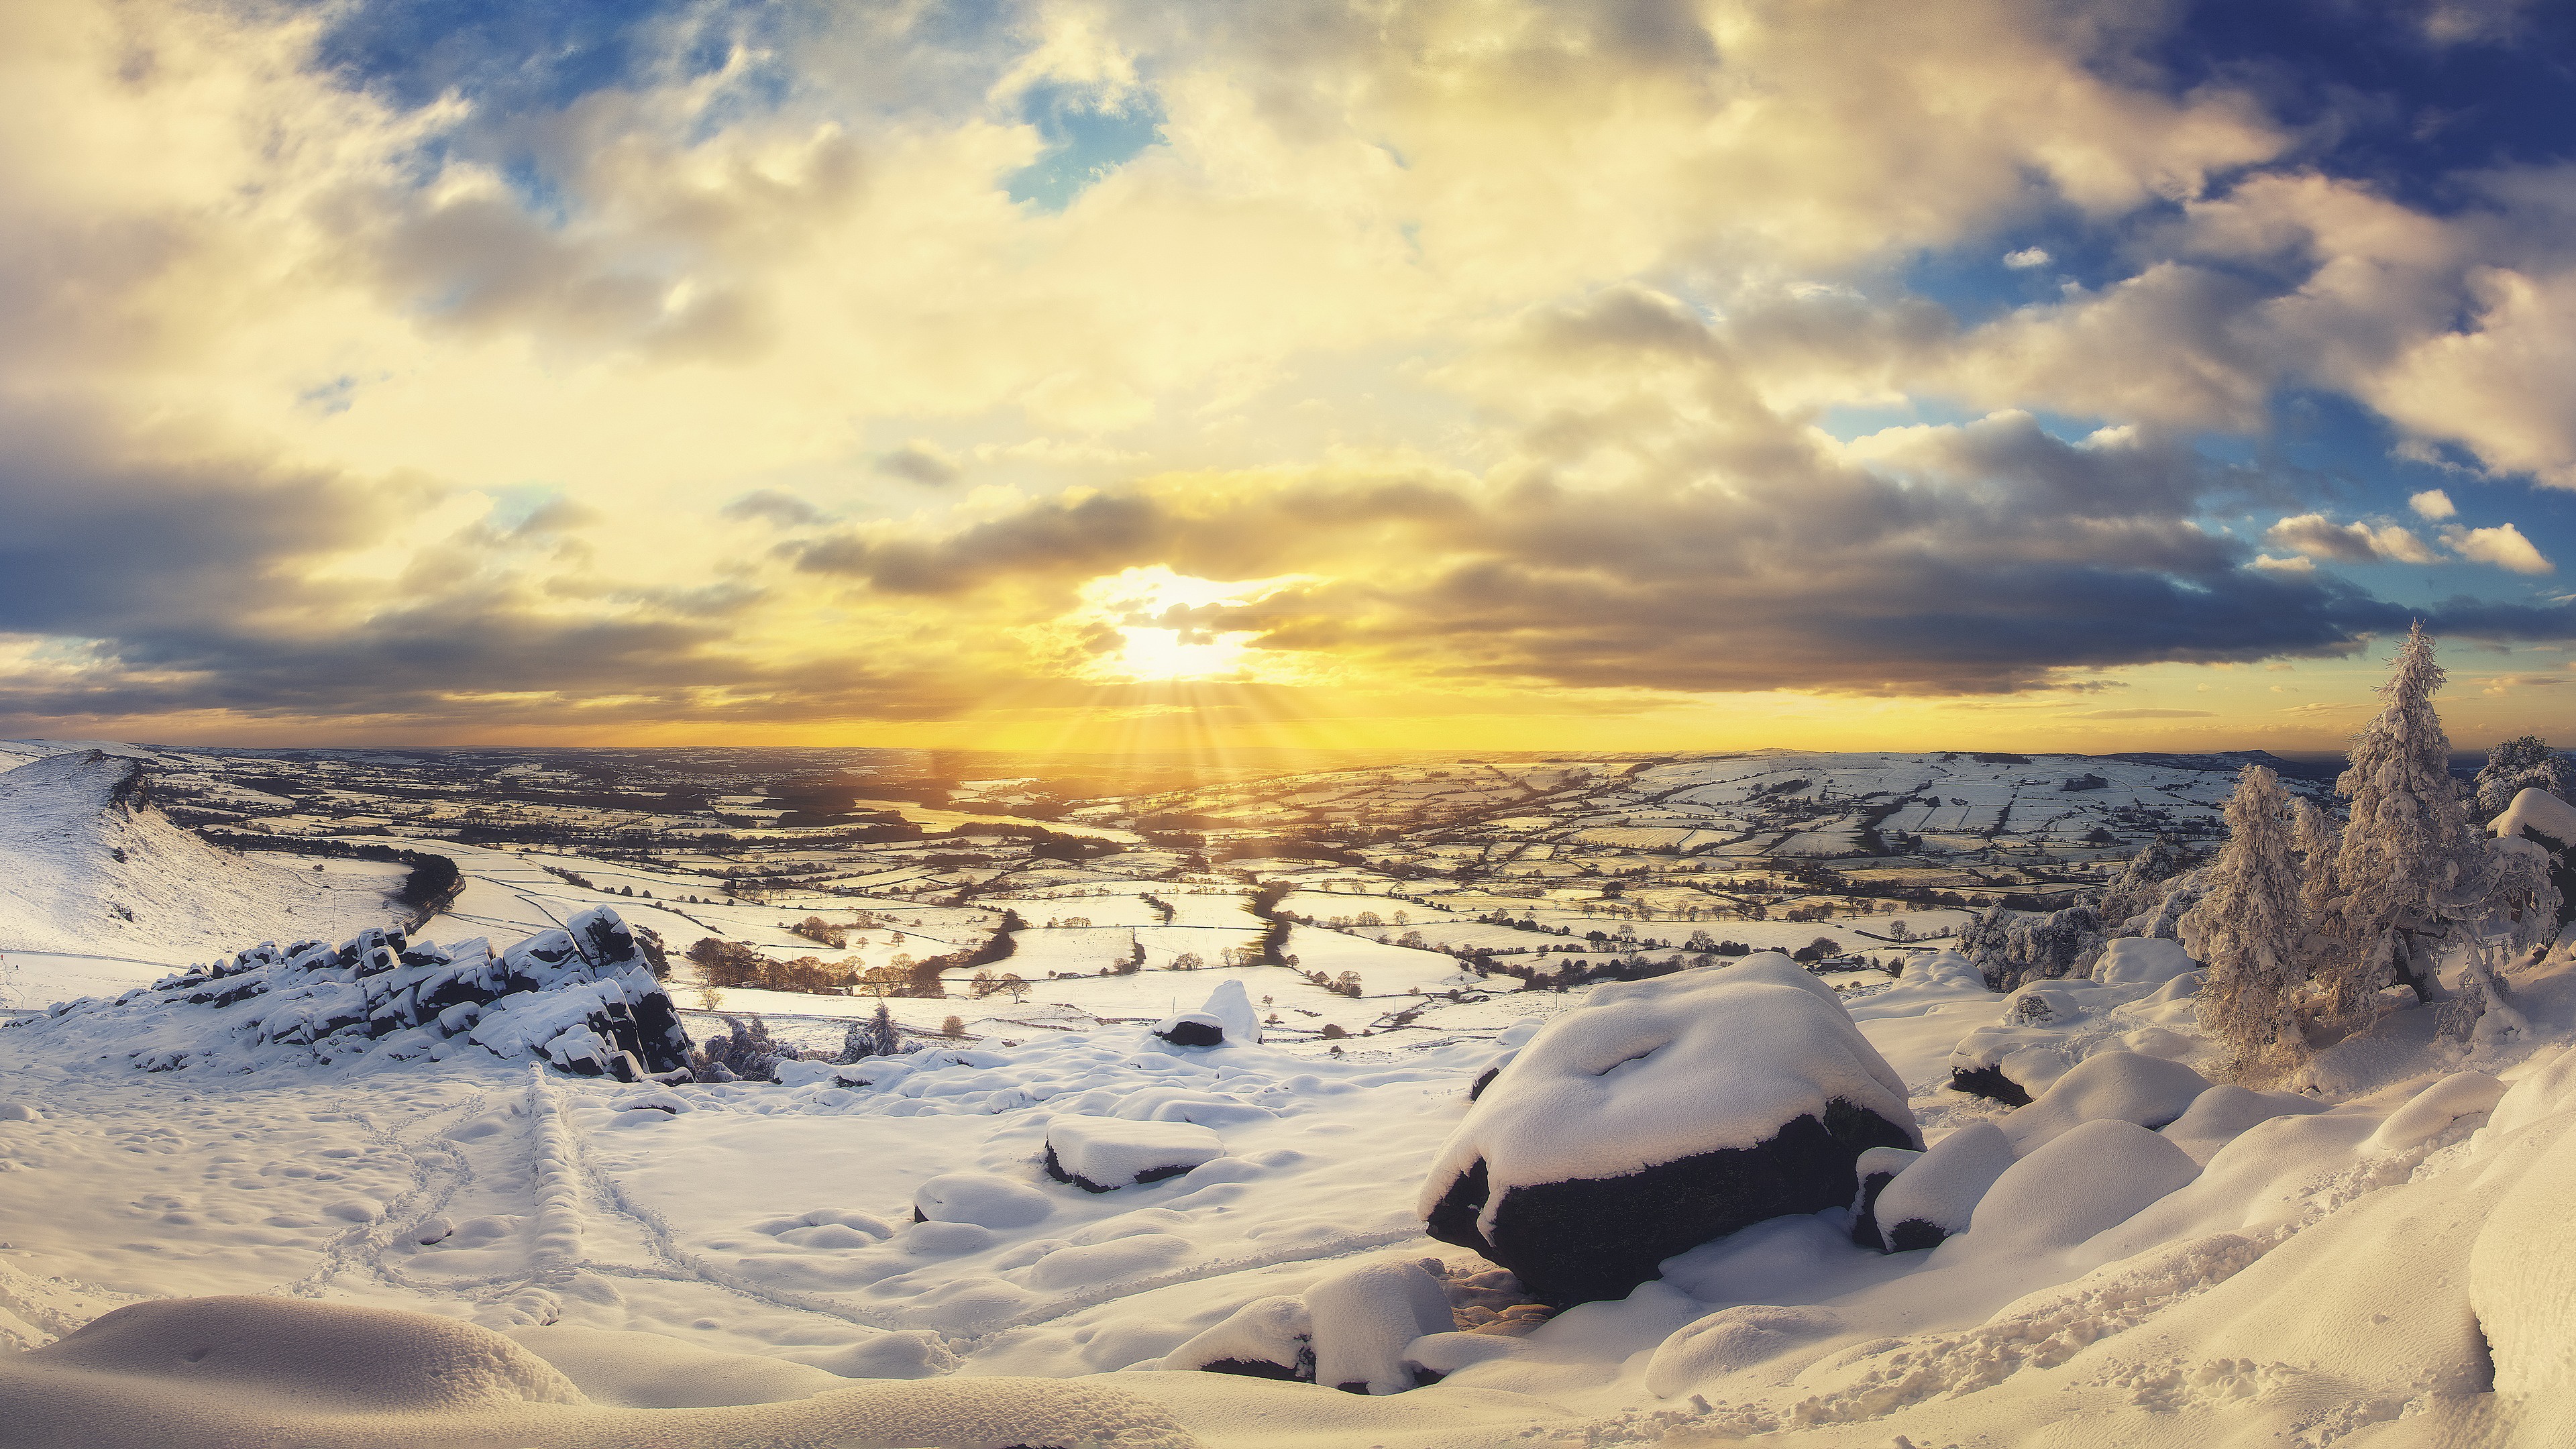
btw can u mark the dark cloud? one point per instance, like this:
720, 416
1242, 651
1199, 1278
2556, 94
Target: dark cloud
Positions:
95, 540
1982, 559
918, 463
781, 508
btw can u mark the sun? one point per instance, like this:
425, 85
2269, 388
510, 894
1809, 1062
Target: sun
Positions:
1170, 627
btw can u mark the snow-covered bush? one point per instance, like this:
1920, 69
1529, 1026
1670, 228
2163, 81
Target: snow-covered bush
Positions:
2011, 947
2516, 765
1660, 1115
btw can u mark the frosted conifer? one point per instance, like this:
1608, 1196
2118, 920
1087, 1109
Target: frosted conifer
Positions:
883, 1038
2517, 765
2407, 845
2248, 927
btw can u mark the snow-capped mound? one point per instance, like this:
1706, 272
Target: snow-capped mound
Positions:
1349, 1331
2128, 1086
2091, 1177
88, 866
1103, 1154
2538, 814
582, 999
1660, 1115
1937, 1195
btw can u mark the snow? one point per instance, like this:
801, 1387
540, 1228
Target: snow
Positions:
1943, 1187
2380, 1259
2540, 813
2122, 1085
2092, 1177
1654, 1071
2142, 961
981, 1198
1363, 1319
1101, 1154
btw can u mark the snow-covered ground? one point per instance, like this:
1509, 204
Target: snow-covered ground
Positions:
2382, 1263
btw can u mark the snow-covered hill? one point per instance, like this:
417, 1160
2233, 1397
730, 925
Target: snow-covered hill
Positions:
99, 891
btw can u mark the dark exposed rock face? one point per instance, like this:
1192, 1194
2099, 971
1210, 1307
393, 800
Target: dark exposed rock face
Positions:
1990, 1082
1587, 1239
1483, 1080
1913, 1234
1192, 1030
1056, 1169
583, 1000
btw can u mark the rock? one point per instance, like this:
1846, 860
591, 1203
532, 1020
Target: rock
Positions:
1192, 1029
980, 1198
2149, 1091
1103, 1154
2142, 961
2008, 1064
1362, 1320
2221, 1115
1876, 1168
2093, 1176
1731, 1340
19, 1112
1659, 1115
794, 1072
1268, 1338
1936, 1197
1231, 1005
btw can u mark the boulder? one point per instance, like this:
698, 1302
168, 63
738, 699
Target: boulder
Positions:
1935, 1197
1659, 1115
2093, 1176
1191, 1029
1103, 1154
1876, 1169
1363, 1319
2221, 1114
980, 1198
1231, 1005
1268, 1338
2126, 1086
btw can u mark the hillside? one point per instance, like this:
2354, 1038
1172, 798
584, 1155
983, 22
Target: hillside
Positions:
98, 889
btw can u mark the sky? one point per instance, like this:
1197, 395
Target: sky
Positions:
1324, 374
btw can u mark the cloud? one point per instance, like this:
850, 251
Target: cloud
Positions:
2026, 258
2296, 564
781, 508
919, 461
2149, 714
2503, 545
2432, 504
2315, 536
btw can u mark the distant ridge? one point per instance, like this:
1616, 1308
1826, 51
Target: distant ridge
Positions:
2325, 768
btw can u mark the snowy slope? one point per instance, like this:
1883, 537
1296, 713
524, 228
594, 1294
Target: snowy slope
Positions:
97, 887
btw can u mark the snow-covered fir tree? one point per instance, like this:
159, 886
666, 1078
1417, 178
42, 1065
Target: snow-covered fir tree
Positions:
2522, 764
2249, 926
2406, 845
884, 1039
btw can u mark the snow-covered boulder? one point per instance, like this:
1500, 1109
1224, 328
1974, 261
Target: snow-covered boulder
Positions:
1941, 968
584, 1000
2142, 961
2008, 1064
1103, 1154
1875, 1168
2221, 1114
1268, 1338
796, 1072
1659, 1115
980, 1198
1232, 1006
1362, 1320
1936, 1197
2127, 1086
2093, 1176
1191, 1029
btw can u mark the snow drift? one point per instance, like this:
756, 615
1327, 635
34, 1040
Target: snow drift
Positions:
583, 1000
